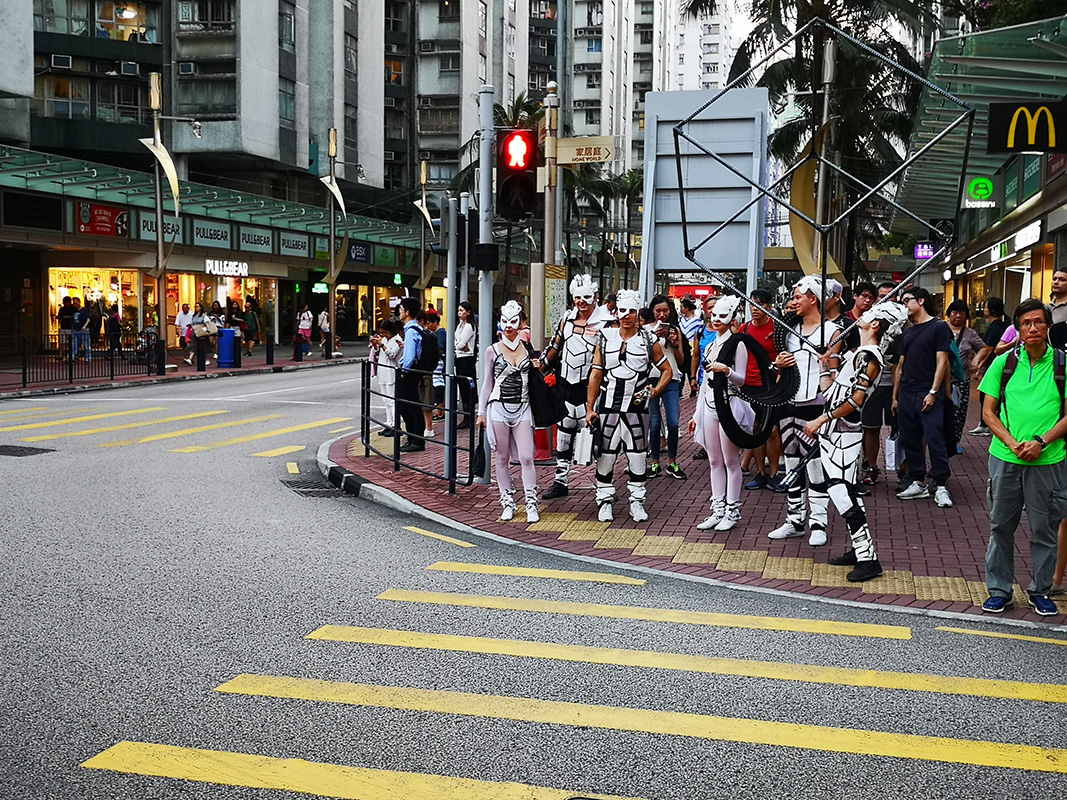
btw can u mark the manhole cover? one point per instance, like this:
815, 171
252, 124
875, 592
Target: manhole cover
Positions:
20, 452
311, 487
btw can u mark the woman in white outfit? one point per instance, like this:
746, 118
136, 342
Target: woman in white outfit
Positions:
504, 411
387, 345
724, 457
465, 360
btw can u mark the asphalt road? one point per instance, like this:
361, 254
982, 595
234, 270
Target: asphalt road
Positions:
140, 579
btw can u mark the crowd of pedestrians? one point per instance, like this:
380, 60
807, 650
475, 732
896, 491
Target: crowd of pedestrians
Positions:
885, 368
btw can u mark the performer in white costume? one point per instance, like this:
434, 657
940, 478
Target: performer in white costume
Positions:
724, 457
618, 396
504, 411
841, 440
573, 344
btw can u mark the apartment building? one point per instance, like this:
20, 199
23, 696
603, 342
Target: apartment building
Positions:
654, 51
705, 50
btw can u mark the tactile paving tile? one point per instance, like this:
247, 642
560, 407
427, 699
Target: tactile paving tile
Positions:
979, 594
659, 546
698, 553
588, 531
828, 575
1061, 603
520, 512
742, 561
553, 522
1022, 599
940, 588
892, 581
788, 569
620, 539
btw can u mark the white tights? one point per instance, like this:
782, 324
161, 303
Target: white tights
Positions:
515, 440
724, 460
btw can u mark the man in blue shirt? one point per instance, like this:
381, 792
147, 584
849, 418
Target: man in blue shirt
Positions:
408, 385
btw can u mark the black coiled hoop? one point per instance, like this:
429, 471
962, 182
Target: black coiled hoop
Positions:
771, 394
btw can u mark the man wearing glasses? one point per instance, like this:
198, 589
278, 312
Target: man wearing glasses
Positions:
919, 397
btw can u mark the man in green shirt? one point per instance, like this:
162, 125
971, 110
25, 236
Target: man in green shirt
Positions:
1026, 459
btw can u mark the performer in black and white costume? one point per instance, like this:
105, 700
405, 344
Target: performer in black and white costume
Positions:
807, 498
504, 411
841, 440
618, 396
573, 344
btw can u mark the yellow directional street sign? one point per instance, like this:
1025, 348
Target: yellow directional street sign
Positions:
585, 149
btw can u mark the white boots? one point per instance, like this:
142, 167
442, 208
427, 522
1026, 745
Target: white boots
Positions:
724, 516
532, 514
507, 502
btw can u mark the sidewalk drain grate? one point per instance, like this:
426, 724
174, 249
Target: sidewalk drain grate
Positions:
21, 452
311, 487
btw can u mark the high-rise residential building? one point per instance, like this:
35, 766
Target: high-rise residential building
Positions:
655, 45
705, 50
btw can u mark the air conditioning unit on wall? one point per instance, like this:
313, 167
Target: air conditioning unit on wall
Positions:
129, 68
390, 102
186, 68
426, 46
61, 62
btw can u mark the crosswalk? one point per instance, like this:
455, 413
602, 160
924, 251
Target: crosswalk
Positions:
151, 424
466, 698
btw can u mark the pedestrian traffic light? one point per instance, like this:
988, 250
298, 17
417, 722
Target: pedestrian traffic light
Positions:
516, 173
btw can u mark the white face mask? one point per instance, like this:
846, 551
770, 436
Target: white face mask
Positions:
586, 298
622, 311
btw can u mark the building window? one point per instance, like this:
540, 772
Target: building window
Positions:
594, 15
483, 69
593, 80
442, 171
61, 16
711, 48
205, 15
126, 22
648, 8
646, 37
287, 102
592, 116
711, 30
439, 120
449, 63
711, 69
394, 72
538, 81
394, 17
122, 102
483, 20
448, 10
57, 96
395, 125
511, 89
645, 65
681, 58
351, 60
207, 97
287, 26
351, 130
594, 46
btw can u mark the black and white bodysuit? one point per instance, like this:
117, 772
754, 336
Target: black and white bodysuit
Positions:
505, 404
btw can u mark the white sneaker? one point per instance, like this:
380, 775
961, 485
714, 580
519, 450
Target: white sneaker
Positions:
637, 512
817, 538
606, 514
718, 511
917, 491
508, 514
730, 518
786, 531
532, 514
709, 523
942, 497
428, 433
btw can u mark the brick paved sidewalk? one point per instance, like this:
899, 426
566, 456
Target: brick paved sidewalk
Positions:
934, 558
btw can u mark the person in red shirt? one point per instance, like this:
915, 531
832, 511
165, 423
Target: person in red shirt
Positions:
761, 328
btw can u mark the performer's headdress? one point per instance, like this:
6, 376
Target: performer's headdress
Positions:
890, 316
510, 315
726, 308
585, 287
627, 300
810, 284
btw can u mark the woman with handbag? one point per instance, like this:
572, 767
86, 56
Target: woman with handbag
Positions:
303, 328
196, 329
216, 318
466, 368
504, 411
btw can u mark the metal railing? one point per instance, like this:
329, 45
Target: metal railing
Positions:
74, 357
450, 445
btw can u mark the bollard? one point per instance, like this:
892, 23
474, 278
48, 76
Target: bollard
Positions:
161, 356
298, 347
238, 346
270, 350
201, 354
327, 345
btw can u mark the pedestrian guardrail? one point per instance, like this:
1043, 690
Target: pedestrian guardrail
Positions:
449, 445
75, 357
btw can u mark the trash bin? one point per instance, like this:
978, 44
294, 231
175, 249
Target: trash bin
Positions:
226, 345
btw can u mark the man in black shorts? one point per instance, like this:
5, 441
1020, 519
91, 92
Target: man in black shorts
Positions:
878, 410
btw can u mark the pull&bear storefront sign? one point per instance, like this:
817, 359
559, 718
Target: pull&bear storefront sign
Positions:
226, 269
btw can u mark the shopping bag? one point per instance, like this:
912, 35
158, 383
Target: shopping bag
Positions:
583, 447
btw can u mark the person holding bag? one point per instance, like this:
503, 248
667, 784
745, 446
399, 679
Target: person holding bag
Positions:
197, 330
504, 412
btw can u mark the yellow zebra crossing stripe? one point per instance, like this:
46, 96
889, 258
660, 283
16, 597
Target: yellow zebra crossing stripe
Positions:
309, 777
438, 536
112, 428
293, 468
650, 614
199, 448
668, 723
282, 451
527, 572
771, 670
996, 635
73, 420
22, 410
158, 437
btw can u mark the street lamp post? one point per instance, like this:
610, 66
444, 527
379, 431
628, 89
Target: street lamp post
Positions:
327, 349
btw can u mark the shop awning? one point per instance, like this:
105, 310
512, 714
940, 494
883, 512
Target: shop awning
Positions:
997, 66
69, 177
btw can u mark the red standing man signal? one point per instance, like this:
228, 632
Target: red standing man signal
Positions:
516, 174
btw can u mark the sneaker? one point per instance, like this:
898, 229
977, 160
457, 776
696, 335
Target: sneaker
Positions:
903, 482
676, 472
847, 559
606, 514
637, 512
1043, 606
864, 571
917, 491
871, 475
759, 482
775, 485
786, 531
1057, 588
700, 455
718, 511
428, 433
942, 497
981, 430
730, 518
508, 514
817, 538
557, 489
995, 604
188, 361
532, 514
654, 471
863, 490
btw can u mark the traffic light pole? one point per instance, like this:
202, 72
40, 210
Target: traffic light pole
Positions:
537, 269
486, 323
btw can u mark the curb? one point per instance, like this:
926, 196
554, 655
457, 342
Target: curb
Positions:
360, 487
197, 376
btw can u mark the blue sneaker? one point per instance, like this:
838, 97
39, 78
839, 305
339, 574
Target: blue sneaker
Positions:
995, 604
759, 482
1043, 606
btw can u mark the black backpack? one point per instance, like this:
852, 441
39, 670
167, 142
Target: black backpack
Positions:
431, 352
1059, 374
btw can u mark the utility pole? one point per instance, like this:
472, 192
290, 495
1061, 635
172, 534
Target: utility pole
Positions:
550, 249
486, 323
332, 283
155, 99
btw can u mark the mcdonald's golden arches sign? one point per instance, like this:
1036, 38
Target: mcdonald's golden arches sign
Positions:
1033, 126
